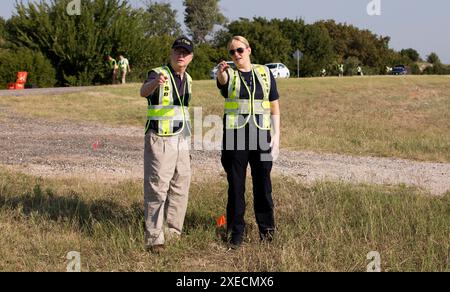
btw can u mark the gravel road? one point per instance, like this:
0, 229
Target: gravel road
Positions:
45, 91
64, 149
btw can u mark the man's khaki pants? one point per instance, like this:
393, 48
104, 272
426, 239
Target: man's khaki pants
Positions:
167, 177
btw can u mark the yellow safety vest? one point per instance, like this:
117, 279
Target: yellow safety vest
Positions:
236, 107
165, 112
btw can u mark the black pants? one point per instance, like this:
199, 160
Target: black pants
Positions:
235, 164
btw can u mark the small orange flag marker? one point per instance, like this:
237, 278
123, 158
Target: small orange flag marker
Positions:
221, 221
96, 145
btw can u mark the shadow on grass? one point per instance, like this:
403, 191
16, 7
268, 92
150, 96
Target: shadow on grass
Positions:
197, 220
74, 209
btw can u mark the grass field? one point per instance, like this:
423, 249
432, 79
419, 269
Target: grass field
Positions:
326, 227
323, 227
388, 116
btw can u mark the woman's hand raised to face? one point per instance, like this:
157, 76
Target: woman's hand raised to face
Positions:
223, 66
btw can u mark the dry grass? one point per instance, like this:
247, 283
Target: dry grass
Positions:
407, 117
112, 105
391, 116
327, 227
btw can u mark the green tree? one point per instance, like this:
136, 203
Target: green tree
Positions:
350, 66
318, 51
161, 19
394, 58
200, 16
2, 29
434, 59
76, 44
349, 41
205, 58
411, 54
341, 36
156, 54
436, 69
293, 31
267, 42
39, 68
415, 69
276, 40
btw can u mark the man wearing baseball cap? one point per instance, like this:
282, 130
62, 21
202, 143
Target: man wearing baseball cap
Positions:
184, 43
167, 169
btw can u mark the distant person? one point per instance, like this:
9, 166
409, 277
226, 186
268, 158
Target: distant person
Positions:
323, 72
167, 162
124, 68
113, 67
388, 70
360, 71
341, 70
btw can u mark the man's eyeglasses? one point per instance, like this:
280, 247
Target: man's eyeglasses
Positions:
181, 52
239, 50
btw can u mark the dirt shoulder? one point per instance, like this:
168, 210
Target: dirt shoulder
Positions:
66, 149
45, 91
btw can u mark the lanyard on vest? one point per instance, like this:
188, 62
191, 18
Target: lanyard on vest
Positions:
251, 94
178, 95
176, 87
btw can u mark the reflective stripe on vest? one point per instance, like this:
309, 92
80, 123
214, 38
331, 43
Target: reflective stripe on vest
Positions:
238, 106
165, 112
234, 106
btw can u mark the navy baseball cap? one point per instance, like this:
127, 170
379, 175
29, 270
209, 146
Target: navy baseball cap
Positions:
183, 42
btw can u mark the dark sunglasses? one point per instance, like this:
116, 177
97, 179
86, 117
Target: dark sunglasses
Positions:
239, 50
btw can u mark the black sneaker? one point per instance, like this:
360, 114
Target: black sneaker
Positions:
235, 245
236, 242
267, 236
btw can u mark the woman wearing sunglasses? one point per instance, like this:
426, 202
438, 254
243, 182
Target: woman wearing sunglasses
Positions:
251, 136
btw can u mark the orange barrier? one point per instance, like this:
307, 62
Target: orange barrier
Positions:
22, 77
19, 86
20, 82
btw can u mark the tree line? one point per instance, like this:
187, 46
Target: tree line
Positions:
67, 50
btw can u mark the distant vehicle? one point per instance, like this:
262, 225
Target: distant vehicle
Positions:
399, 70
213, 73
279, 70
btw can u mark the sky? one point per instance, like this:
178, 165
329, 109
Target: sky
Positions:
422, 25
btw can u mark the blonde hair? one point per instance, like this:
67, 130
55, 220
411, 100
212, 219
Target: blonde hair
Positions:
239, 39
